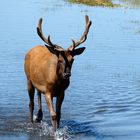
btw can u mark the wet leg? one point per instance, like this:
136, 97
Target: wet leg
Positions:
59, 101
51, 110
31, 91
40, 113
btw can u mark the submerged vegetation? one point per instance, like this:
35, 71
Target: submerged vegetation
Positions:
107, 3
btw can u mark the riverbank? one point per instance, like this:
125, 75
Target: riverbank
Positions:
107, 3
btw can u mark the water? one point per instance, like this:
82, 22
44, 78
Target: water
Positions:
103, 100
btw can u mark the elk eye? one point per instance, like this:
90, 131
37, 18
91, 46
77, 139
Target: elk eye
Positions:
62, 52
61, 62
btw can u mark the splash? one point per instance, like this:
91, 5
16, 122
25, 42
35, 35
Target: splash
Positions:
46, 130
60, 134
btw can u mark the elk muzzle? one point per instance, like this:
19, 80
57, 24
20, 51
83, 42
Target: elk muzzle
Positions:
66, 75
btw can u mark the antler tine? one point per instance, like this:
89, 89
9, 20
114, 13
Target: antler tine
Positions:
73, 42
40, 33
49, 41
84, 36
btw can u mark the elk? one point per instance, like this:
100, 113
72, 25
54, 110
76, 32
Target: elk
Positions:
48, 70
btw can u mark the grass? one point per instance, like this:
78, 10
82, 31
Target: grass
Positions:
107, 3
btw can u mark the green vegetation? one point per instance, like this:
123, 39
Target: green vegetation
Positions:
107, 3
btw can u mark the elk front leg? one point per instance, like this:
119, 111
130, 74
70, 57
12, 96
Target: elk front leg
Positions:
31, 91
59, 101
40, 113
51, 110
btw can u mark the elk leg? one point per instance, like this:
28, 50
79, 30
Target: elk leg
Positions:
31, 91
51, 110
59, 101
40, 113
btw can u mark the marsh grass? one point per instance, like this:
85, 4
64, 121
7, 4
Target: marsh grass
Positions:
107, 3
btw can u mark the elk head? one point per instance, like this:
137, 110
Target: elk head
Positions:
65, 57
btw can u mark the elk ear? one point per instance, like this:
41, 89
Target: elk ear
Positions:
78, 51
51, 49
54, 50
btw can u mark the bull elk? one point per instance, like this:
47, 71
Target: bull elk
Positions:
48, 70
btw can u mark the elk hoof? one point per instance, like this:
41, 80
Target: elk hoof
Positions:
39, 116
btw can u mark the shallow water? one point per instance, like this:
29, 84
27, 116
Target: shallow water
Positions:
103, 99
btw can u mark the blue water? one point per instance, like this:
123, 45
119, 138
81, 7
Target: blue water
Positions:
103, 99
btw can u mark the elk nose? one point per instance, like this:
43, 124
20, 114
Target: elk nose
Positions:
67, 75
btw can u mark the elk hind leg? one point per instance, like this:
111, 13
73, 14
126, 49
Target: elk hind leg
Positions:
31, 91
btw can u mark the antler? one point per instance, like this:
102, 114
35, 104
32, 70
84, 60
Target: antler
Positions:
84, 36
39, 31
